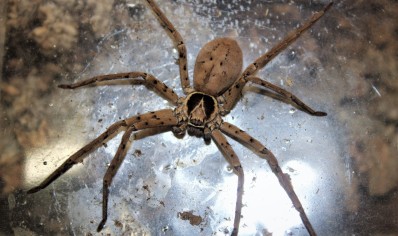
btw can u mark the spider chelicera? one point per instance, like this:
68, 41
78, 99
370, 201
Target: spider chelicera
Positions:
217, 86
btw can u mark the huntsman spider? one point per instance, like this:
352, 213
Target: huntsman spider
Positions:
218, 81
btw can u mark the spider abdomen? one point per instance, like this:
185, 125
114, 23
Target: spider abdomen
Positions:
217, 66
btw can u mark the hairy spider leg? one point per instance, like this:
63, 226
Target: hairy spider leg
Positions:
226, 149
149, 120
232, 95
179, 43
160, 118
250, 142
78, 156
110, 173
147, 79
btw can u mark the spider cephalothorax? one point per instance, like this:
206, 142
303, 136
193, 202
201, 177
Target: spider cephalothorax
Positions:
218, 83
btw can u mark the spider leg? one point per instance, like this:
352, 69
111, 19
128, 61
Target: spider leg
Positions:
161, 118
233, 160
291, 97
178, 41
78, 156
148, 120
231, 96
263, 152
110, 173
147, 79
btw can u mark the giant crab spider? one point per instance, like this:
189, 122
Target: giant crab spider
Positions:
218, 83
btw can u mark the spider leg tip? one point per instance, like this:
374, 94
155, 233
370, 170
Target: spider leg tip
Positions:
320, 113
328, 6
32, 190
101, 225
64, 86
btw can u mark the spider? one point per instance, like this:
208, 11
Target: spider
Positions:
217, 85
